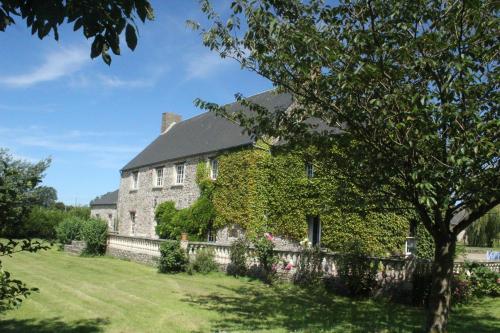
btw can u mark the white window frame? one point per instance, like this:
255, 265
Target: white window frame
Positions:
135, 180
180, 173
310, 170
214, 168
158, 178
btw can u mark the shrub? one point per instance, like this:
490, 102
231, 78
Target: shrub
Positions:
42, 223
461, 291
204, 262
69, 229
173, 258
357, 273
264, 250
421, 285
94, 233
238, 257
483, 281
164, 214
309, 271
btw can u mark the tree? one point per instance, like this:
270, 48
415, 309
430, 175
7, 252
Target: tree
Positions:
104, 20
45, 196
17, 180
414, 84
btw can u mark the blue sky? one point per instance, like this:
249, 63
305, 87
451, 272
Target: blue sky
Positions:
92, 119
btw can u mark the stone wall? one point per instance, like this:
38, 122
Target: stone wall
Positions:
76, 247
106, 213
227, 235
147, 196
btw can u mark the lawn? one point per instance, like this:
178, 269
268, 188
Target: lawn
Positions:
109, 295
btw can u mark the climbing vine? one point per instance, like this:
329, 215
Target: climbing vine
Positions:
268, 190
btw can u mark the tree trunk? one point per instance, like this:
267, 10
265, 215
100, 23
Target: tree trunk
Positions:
442, 273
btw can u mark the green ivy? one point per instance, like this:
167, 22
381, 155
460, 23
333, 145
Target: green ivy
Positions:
196, 219
268, 190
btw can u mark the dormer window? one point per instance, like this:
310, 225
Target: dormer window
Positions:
214, 168
179, 174
158, 182
135, 180
309, 170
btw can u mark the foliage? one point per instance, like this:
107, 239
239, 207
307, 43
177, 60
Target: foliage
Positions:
18, 180
12, 291
461, 291
69, 229
259, 190
94, 232
82, 212
164, 214
238, 257
44, 196
264, 252
425, 243
413, 84
195, 220
173, 258
103, 20
421, 286
309, 271
486, 230
204, 262
357, 272
41, 223
483, 281
240, 191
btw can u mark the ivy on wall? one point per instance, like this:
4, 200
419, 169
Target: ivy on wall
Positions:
264, 190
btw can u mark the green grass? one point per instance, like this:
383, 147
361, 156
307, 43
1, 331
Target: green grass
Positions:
104, 294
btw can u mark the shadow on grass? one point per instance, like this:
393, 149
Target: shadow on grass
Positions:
289, 308
52, 325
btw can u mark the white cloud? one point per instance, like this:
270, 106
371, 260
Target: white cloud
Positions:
202, 66
116, 82
56, 65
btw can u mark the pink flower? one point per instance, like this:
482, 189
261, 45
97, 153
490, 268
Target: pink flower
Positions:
269, 236
289, 266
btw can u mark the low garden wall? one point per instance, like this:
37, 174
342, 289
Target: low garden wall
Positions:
147, 250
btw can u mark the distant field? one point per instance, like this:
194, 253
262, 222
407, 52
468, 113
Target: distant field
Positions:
109, 295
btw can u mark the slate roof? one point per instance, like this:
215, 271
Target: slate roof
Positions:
110, 198
204, 133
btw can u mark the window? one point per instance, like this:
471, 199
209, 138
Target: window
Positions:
309, 170
211, 236
214, 168
158, 177
132, 222
110, 217
135, 180
314, 227
179, 174
97, 216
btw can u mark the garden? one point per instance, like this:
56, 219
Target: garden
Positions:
103, 294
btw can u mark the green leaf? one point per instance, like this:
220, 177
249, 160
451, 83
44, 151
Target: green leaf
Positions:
78, 24
130, 37
97, 46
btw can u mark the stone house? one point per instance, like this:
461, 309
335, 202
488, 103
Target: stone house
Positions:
166, 169
104, 208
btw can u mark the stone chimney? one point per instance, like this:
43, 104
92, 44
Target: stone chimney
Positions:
169, 119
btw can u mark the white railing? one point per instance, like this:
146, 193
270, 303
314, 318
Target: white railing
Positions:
137, 245
389, 267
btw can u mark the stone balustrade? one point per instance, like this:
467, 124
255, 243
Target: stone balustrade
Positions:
147, 250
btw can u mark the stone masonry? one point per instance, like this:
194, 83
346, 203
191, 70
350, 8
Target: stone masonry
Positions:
106, 213
147, 196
